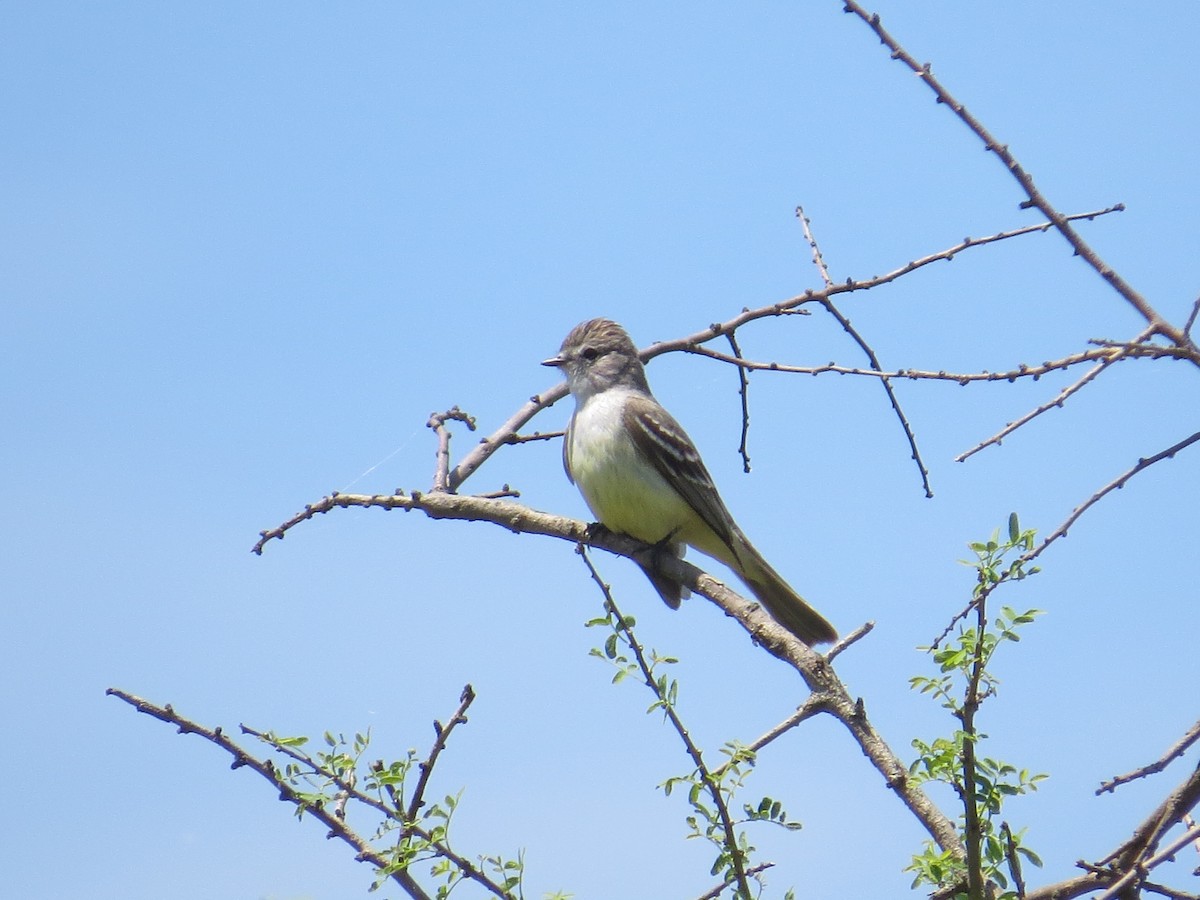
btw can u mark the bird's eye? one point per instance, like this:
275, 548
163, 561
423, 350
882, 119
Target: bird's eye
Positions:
589, 353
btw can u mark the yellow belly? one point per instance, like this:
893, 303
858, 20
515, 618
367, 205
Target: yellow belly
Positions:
624, 491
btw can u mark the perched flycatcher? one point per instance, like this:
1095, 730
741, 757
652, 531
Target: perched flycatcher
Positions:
642, 476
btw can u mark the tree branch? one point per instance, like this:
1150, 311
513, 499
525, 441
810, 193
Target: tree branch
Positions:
1177, 750
508, 431
1061, 223
813, 668
337, 826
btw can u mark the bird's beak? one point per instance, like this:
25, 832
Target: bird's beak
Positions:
554, 361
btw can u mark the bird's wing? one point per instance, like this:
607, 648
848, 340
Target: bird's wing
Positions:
665, 445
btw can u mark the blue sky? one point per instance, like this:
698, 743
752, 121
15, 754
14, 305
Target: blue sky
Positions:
245, 250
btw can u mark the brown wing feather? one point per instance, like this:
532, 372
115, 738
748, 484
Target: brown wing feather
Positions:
663, 443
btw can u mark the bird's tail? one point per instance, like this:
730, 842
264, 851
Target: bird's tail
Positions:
786, 607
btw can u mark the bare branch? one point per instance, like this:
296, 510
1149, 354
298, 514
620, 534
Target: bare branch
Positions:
442, 734
849, 640
812, 705
887, 386
818, 258
507, 431
1138, 873
1177, 750
437, 421
744, 393
819, 261
1191, 319
1139, 351
1057, 402
1113, 485
1157, 323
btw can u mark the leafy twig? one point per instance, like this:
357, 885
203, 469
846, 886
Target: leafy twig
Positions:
733, 852
336, 825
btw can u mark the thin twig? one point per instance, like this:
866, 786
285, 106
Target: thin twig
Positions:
812, 705
1191, 319
1115, 484
852, 638
1056, 403
844, 321
442, 734
887, 386
732, 847
1177, 750
1111, 355
503, 435
536, 436
437, 421
1141, 351
716, 892
818, 258
336, 825
1035, 196
1138, 872
744, 393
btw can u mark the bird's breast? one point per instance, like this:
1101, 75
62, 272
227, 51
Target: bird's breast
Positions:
623, 489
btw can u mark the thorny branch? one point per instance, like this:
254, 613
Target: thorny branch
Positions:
744, 393
1116, 484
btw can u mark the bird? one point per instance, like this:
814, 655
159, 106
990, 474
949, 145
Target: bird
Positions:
641, 475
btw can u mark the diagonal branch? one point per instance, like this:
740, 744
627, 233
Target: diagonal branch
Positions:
1116, 484
1157, 323
1177, 750
337, 826
885, 380
442, 734
737, 857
